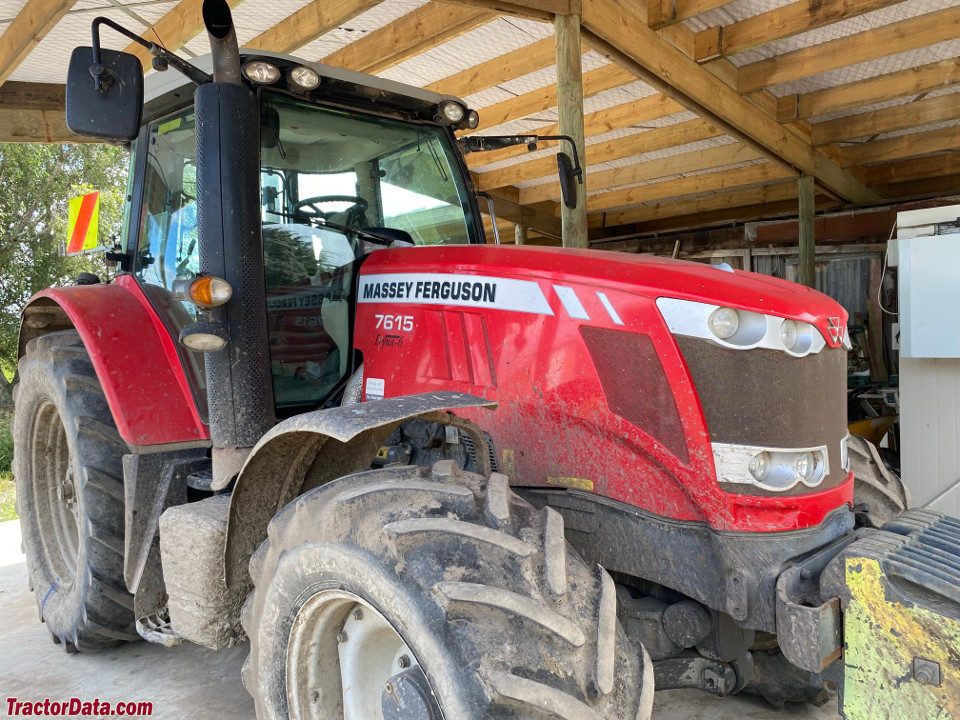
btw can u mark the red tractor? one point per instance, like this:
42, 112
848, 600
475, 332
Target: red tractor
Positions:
432, 478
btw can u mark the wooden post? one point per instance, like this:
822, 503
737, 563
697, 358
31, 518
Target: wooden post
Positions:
570, 109
807, 266
520, 234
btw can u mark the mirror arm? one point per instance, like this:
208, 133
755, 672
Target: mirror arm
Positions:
102, 79
483, 143
577, 170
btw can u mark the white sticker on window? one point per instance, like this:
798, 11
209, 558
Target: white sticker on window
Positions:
375, 388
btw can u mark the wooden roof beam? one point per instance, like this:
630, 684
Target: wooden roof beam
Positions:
909, 170
543, 10
175, 29
891, 119
705, 217
501, 69
773, 25
693, 161
309, 23
755, 195
691, 185
663, 13
612, 27
545, 98
35, 19
901, 147
917, 32
903, 83
414, 33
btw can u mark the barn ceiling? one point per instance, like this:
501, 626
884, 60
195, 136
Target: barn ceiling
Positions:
695, 111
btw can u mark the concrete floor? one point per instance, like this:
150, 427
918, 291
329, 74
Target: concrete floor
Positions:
189, 681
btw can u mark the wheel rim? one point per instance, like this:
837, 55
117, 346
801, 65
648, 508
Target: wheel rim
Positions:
54, 492
341, 658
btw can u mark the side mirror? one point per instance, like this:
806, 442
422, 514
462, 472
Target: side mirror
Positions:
568, 180
104, 100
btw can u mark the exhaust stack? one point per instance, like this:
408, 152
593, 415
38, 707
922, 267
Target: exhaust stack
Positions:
218, 20
239, 383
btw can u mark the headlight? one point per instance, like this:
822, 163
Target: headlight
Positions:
452, 112
723, 322
473, 119
788, 334
304, 78
760, 466
740, 329
773, 469
260, 72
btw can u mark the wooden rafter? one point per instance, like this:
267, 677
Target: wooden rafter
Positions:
716, 157
908, 170
644, 142
35, 19
890, 86
594, 81
412, 34
611, 27
777, 24
174, 30
891, 119
663, 13
902, 146
690, 185
785, 190
503, 68
917, 32
308, 23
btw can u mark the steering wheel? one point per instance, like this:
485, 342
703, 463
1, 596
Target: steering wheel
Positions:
309, 207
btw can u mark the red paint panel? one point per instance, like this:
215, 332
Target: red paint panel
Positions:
135, 360
554, 424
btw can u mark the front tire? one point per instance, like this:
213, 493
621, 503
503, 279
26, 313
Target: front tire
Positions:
68, 466
458, 575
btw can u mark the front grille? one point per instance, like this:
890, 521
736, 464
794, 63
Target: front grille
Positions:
771, 399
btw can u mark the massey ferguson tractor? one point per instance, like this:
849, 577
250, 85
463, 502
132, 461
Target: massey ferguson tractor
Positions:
433, 478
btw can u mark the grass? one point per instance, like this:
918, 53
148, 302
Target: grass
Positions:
8, 492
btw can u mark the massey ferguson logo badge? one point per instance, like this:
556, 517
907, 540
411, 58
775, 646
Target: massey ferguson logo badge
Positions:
835, 329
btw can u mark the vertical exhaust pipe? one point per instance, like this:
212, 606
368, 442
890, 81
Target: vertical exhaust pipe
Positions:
218, 20
239, 383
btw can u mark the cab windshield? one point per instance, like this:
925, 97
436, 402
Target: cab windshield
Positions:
334, 186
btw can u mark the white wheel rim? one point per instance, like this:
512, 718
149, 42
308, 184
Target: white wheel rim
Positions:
341, 654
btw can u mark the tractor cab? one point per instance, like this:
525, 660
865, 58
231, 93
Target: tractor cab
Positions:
347, 164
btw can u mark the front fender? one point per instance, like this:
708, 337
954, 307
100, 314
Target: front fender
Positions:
312, 449
133, 354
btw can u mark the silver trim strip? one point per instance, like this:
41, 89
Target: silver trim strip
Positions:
571, 303
608, 306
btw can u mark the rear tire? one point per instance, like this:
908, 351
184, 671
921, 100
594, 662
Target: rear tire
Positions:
68, 467
501, 615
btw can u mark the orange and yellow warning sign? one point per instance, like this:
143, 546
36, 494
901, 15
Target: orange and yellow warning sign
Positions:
83, 223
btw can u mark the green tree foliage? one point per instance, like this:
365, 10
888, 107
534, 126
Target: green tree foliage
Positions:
36, 184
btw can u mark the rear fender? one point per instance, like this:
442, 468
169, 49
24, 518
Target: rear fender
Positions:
310, 450
132, 353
